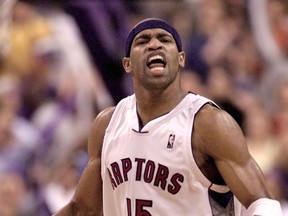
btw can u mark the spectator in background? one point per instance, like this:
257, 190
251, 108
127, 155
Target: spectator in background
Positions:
213, 35
281, 116
277, 12
279, 174
220, 89
60, 187
104, 28
18, 137
79, 91
61, 92
15, 199
183, 11
26, 29
274, 60
266, 17
191, 82
262, 142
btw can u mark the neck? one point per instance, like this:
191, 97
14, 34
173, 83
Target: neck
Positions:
152, 105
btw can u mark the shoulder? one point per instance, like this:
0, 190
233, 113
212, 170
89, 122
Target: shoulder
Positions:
217, 132
104, 116
102, 120
210, 117
97, 132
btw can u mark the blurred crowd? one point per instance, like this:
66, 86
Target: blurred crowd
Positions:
60, 65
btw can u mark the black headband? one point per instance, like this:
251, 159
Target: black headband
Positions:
150, 24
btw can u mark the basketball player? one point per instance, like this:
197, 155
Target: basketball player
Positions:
163, 151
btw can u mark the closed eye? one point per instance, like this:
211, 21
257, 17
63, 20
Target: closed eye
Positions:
145, 38
166, 40
141, 41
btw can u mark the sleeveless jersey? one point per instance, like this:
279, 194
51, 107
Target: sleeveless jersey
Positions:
153, 172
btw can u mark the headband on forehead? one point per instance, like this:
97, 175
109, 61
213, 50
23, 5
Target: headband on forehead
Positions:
150, 24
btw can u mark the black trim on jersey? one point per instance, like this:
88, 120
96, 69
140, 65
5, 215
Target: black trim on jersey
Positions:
190, 92
221, 203
140, 131
212, 104
140, 124
139, 121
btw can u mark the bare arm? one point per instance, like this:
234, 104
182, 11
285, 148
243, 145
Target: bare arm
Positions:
219, 137
87, 199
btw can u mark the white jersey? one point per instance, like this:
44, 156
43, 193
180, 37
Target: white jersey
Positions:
153, 172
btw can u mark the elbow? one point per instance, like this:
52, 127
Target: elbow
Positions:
67, 210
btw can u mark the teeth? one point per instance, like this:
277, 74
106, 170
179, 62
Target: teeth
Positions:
155, 57
157, 69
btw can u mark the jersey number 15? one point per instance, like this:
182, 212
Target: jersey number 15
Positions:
140, 206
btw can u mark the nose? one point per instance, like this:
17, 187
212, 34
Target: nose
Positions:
154, 44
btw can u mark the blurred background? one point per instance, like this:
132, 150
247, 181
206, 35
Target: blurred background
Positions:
60, 65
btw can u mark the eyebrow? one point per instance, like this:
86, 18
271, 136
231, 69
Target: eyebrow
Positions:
149, 35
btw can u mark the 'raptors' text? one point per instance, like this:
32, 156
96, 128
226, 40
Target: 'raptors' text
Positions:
146, 171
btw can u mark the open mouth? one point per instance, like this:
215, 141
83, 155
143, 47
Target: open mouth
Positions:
156, 62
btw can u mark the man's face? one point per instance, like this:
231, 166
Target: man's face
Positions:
154, 59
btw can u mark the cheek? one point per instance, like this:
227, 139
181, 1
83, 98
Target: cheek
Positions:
174, 64
138, 64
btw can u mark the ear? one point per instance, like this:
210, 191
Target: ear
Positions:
127, 64
182, 59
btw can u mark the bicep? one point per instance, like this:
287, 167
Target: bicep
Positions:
88, 195
226, 144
